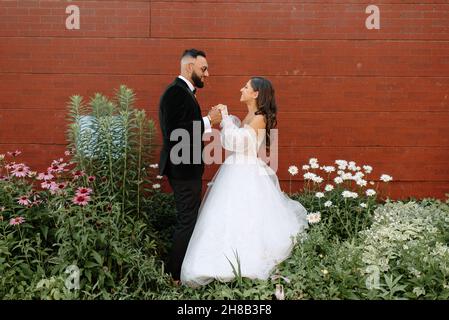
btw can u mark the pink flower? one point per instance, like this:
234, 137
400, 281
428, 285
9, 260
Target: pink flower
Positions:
15, 153
36, 203
77, 174
62, 185
23, 200
47, 184
81, 199
52, 168
16, 221
45, 176
10, 166
67, 153
57, 188
83, 191
20, 170
52, 186
56, 167
91, 178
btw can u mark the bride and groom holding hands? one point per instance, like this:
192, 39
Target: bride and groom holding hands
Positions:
244, 221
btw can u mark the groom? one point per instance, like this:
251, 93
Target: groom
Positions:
179, 109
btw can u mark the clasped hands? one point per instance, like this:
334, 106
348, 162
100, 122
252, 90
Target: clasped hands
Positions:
216, 113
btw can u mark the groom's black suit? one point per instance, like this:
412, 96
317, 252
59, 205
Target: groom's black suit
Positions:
179, 109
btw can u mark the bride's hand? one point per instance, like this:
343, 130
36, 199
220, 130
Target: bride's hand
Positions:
220, 107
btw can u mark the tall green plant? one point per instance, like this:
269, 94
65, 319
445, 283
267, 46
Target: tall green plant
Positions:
113, 141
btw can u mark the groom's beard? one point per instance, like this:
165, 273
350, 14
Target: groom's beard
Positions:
197, 80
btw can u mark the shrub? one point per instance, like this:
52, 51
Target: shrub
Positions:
404, 255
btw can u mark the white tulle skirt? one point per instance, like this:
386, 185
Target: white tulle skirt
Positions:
244, 217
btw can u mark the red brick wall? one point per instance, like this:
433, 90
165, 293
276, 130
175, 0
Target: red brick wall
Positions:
378, 97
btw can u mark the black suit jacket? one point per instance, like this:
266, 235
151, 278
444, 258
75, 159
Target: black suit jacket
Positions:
179, 109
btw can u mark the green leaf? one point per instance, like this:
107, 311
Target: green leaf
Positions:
44, 230
90, 264
97, 257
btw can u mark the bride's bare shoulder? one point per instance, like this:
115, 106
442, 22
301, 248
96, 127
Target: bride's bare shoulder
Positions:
258, 122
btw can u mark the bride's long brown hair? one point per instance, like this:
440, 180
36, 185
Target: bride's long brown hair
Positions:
266, 104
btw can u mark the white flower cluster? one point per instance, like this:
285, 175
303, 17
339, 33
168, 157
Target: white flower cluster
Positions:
347, 171
312, 176
328, 204
314, 163
349, 194
400, 228
328, 169
367, 169
314, 217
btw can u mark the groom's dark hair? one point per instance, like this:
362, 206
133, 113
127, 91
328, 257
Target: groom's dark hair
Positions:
193, 53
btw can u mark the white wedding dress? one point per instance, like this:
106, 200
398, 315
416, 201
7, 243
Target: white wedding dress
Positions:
244, 214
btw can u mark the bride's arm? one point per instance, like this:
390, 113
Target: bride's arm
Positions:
233, 137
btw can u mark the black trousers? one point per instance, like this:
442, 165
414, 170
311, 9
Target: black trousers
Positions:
188, 199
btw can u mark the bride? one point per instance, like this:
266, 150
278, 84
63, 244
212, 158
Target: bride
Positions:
245, 223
